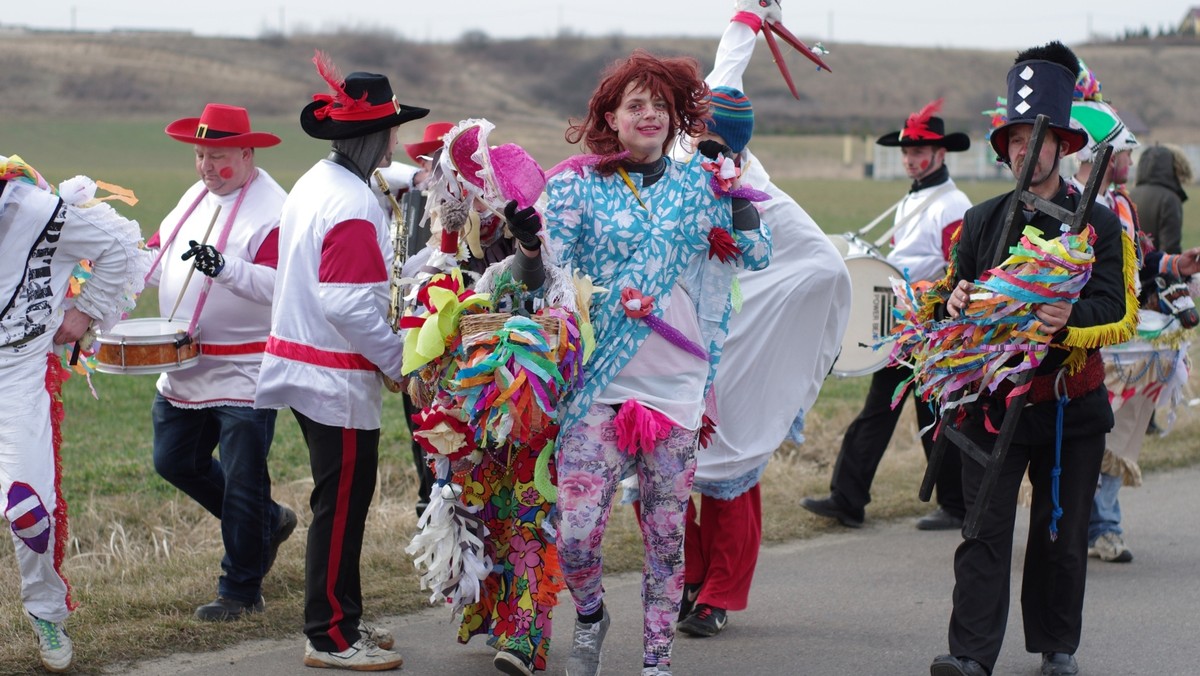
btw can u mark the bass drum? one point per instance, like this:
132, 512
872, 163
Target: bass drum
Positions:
871, 302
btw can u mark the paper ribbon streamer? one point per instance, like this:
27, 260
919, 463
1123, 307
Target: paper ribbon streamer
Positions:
510, 383
973, 354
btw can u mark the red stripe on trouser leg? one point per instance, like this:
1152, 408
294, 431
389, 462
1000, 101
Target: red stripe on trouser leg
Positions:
340, 514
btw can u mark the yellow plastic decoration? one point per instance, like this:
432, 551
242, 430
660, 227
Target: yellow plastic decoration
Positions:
424, 343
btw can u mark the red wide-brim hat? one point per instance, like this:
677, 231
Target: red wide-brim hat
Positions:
221, 126
430, 142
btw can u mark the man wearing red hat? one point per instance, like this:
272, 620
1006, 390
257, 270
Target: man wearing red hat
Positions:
330, 346
227, 226
930, 213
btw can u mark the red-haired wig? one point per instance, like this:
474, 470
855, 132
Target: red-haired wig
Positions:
677, 80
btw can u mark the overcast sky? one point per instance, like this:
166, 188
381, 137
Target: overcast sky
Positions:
937, 23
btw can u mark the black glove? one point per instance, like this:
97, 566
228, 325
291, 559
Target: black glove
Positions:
711, 149
208, 260
524, 225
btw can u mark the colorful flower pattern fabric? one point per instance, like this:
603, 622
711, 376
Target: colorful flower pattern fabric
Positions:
590, 467
598, 226
517, 600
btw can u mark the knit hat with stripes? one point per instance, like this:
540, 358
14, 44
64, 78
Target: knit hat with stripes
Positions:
732, 117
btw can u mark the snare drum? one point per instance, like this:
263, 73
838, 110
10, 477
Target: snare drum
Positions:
149, 345
871, 302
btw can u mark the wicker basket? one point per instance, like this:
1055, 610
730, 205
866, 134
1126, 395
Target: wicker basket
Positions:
475, 328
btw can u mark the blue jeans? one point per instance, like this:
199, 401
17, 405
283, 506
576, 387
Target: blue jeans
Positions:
1106, 509
235, 488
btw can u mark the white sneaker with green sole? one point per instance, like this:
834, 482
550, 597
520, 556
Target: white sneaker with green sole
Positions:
53, 642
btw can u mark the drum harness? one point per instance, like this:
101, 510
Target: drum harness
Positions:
937, 192
222, 239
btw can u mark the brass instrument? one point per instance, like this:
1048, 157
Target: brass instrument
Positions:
399, 253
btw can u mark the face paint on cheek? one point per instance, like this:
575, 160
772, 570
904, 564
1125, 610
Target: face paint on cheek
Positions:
924, 165
225, 173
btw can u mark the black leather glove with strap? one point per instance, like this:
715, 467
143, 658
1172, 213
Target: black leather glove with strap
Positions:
524, 225
209, 261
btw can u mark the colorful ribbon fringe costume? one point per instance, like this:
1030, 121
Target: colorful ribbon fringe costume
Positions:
973, 354
495, 381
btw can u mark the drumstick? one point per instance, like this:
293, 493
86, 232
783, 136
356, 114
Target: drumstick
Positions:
187, 280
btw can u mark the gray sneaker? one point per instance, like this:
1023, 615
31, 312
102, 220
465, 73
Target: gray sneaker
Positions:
585, 649
1110, 547
364, 655
53, 643
660, 670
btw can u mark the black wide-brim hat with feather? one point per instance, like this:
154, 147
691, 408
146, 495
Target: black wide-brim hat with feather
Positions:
1041, 82
360, 104
926, 129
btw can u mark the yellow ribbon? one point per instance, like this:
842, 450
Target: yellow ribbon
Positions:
428, 342
632, 188
584, 290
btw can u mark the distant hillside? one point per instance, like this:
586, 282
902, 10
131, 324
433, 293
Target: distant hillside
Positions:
536, 84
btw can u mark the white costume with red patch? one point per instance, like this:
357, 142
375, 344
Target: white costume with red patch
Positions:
329, 335
236, 317
927, 220
41, 240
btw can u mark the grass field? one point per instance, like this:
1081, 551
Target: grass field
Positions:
142, 557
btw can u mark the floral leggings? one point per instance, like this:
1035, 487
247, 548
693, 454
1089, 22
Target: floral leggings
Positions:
589, 468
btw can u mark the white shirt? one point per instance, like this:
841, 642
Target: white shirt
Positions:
236, 317
329, 333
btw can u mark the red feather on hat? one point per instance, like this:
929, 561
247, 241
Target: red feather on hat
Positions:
337, 84
917, 126
329, 72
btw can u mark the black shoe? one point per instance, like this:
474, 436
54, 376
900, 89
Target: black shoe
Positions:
690, 592
223, 609
283, 531
1059, 664
513, 663
949, 665
828, 507
940, 519
704, 621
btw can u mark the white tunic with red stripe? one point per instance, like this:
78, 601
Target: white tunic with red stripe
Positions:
329, 333
236, 317
922, 243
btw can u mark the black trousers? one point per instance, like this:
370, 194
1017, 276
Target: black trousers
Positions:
424, 474
344, 462
1055, 571
867, 438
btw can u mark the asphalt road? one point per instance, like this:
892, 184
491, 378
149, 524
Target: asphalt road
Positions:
874, 601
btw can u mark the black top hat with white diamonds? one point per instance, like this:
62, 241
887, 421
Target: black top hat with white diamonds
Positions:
1041, 82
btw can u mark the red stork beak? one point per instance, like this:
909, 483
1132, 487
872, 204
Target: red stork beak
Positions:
796, 44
